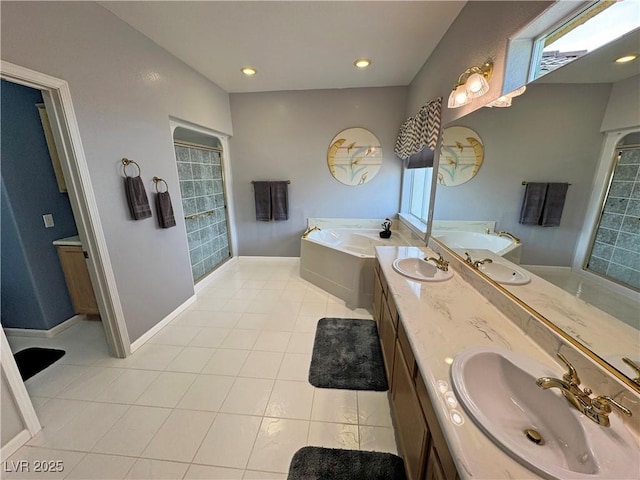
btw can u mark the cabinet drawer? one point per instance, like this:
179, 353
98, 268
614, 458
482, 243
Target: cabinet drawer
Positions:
405, 346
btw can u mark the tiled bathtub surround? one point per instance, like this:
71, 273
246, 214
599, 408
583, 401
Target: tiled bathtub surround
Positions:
616, 251
201, 186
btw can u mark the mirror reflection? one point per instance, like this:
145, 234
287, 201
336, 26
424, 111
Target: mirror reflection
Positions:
574, 136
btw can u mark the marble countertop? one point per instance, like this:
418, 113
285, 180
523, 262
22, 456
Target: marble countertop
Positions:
69, 241
442, 319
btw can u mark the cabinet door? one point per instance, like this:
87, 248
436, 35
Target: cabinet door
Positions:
377, 298
412, 431
387, 333
76, 275
434, 469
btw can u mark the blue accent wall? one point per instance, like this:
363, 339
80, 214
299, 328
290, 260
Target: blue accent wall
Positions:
34, 293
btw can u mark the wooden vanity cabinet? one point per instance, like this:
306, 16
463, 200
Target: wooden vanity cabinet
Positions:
421, 442
76, 275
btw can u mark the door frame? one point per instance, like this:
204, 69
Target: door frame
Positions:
57, 98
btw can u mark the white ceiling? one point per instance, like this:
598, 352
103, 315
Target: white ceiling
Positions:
295, 45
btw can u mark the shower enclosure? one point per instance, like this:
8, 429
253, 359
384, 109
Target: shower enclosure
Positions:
199, 159
615, 250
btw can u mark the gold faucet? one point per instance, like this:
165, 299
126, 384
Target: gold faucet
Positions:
440, 262
596, 409
477, 263
309, 230
507, 234
635, 366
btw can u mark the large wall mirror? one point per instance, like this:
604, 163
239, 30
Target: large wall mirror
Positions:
560, 130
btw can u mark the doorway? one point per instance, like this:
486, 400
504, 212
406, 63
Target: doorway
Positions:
615, 248
199, 160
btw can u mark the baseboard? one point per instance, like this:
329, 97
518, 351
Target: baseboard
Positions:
212, 276
14, 444
546, 268
161, 324
52, 332
263, 259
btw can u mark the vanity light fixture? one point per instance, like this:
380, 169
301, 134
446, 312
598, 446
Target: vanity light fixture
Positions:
505, 100
626, 58
362, 63
249, 71
472, 83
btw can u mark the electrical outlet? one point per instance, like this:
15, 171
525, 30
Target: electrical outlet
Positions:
48, 220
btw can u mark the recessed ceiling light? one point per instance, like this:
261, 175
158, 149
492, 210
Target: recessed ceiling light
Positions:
362, 63
248, 71
626, 58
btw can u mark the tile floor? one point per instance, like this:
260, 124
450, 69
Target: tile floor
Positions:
220, 393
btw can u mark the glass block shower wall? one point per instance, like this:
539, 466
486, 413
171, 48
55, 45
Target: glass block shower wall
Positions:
616, 249
202, 190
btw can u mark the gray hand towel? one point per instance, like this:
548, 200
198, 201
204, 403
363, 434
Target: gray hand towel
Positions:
532, 203
280, 200
553, 205
262, 191
164, 210
137, 198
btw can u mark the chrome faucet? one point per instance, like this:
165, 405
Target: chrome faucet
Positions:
477, 263
507, 234
309, 230
596, 409
440, 262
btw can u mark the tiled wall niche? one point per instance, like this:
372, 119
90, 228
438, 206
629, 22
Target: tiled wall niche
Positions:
202, 190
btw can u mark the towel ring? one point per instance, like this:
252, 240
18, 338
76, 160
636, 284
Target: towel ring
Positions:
126, 162
158, 180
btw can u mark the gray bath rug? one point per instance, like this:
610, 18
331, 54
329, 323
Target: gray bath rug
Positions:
317, 463
347, 354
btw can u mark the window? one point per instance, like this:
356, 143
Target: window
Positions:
416, 192
598, 24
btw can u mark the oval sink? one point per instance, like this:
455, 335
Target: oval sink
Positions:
505, 274
539, 428
419, 269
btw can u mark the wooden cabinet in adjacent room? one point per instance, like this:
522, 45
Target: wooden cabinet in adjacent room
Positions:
76, 275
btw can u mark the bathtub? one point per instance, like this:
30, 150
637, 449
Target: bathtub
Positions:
459, 240
341, 262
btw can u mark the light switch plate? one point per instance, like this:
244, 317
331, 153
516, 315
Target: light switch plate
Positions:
48, 220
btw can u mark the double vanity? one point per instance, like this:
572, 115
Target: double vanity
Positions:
473, 395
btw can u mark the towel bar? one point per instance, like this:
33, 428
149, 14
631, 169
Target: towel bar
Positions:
524, 182
126, 162
254, 181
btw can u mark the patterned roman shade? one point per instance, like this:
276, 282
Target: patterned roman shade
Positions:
418, 136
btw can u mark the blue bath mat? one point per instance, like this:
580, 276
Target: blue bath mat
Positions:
347, 355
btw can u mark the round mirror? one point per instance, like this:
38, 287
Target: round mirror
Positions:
461, 156
354, 156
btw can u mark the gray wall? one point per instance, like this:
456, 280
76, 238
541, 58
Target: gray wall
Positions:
285, 136
622, 110
479, 33
549, 134
124, 88
10, 417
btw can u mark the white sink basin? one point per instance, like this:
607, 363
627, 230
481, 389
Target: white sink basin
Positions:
419, 269
505, 274
498, 390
